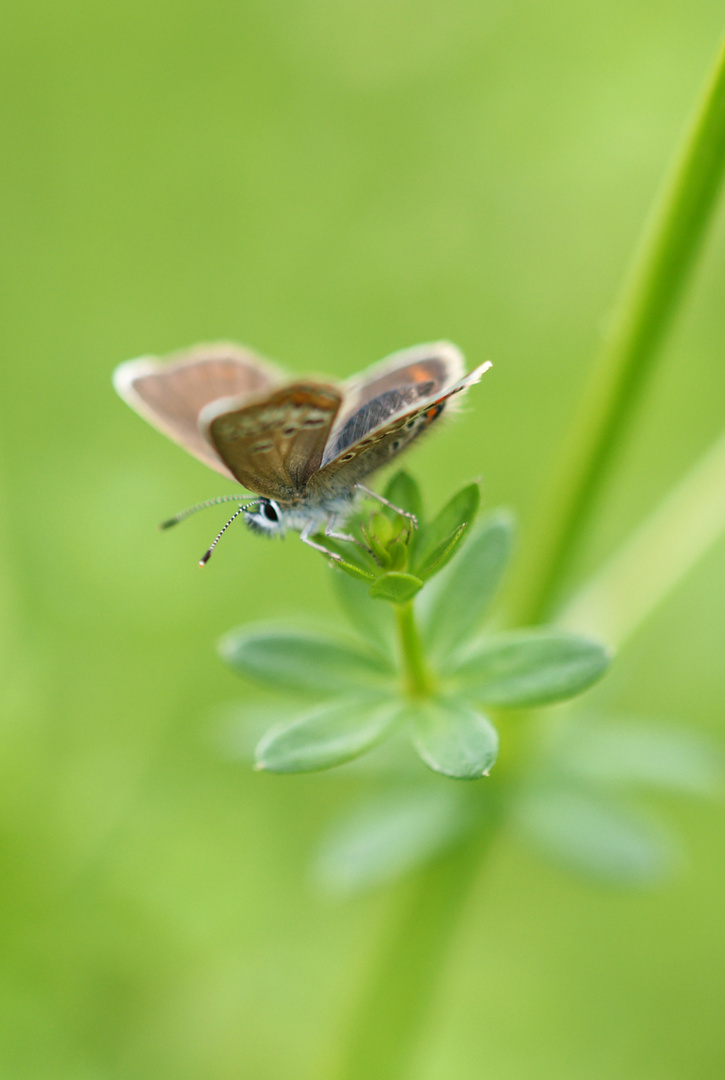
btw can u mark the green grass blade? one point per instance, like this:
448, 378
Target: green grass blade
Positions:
650, 565
660, 271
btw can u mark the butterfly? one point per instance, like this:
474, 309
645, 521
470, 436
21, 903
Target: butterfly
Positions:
303, 447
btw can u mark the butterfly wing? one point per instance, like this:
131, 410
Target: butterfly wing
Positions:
220, 403
274, 445
383, 439
171, 393
390, 387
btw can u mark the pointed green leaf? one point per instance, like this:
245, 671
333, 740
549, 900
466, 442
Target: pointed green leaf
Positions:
454, 739
377, 547
295, 660
460, 598
372, 621
328, 736
636, 752
460, 510
593, 836
355, 572
531, 667
354, 556
403, 491
389, 836
396, 587
443, 553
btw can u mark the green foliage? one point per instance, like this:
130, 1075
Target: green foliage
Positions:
446, 529
373, 622
415, 550
297, 661
592, 835
436, 559
621, 753
461, 597
419, 666
523, 669
396, 587
330, 735
370, 687
576, 804
389, 834
403, 491
454, 739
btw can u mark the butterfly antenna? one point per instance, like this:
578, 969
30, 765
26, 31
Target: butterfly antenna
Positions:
240, 510
201, 506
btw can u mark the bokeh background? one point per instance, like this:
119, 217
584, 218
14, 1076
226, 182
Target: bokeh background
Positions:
326, 182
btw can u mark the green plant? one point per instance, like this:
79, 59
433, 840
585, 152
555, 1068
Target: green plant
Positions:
437, 676
565, 783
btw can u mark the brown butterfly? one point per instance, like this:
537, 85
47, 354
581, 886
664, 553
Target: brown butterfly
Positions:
303, 447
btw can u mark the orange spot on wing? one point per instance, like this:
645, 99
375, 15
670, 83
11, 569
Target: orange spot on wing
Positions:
418, 373
433, 411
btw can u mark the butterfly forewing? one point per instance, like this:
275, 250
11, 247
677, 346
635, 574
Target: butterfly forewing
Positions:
170, 394
274, 445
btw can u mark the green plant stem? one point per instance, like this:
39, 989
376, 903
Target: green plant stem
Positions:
392, 1013
660, 270
417, 676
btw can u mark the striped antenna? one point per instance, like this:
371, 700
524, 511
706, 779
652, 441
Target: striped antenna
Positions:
240, 510
202, 506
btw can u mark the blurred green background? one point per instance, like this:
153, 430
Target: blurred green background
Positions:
326, 182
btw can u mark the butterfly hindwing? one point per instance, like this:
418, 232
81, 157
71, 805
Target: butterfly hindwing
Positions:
171, 393
390, 387
385, 441
274, 445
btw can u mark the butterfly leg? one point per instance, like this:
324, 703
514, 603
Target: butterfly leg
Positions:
374, 495
305, 538
330, 531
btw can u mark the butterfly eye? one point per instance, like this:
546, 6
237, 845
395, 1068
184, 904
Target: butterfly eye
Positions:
267, 519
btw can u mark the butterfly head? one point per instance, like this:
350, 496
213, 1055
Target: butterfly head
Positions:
265, 516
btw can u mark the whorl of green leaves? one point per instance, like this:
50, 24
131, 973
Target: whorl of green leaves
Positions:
437, 678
